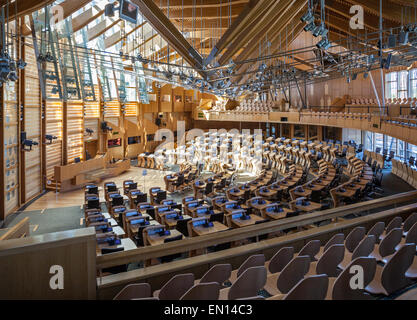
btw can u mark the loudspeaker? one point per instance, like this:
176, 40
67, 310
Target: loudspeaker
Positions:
403, 38
392, 41
388, 62
109, 10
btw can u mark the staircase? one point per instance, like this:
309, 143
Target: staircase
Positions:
53, 185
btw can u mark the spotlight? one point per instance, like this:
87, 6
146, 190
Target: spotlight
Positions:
109, 10
49, 57
323, 44
13, 74
4, 67
308, 17
49, 138
21, 64
310, 27
319, 31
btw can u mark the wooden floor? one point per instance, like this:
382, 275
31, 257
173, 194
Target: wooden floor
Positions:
154, 178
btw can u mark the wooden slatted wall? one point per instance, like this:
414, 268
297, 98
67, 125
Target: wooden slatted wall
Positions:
92, 114
11, 152
32, 124
75, 130
54, 120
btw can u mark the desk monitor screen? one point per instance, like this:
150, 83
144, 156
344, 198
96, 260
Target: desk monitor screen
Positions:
230, 205
193, 205
135, 193
188, 199
163, 209
118, 210
145, 206
237, 215
132, 213
271, 209
199, 223
168, 202
202, 211
171, 216
155, 189
155, 231
138, 221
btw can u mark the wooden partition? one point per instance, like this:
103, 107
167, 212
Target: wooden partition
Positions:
27, 266
166, 99
75, 130
54, 126
31, 99
11, 145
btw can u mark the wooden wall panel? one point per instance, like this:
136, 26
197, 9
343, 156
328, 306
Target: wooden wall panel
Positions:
32, 174
11, 152
131, 109
54, 126
93, 125
75, 129
112, 109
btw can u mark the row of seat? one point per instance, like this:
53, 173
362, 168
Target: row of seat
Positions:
315, 272
405, 172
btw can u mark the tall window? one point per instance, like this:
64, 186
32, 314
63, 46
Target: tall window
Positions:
391, 85
402, 85
413, 83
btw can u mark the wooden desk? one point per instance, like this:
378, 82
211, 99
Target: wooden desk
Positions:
201, 230
313, 206
315, 187
126, 243
306, 193
172, 223
277, 215
268, 194
349, 193
134, 228
243, 223
155, 240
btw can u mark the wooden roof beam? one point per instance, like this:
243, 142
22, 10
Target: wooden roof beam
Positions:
390, 11
269, 12
157, 19
188, 4
289, 10
236, 27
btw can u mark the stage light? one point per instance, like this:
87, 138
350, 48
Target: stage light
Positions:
319, 31
309, 27
308, 17
324, 44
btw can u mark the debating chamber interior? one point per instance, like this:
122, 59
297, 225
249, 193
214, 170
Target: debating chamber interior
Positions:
208, 150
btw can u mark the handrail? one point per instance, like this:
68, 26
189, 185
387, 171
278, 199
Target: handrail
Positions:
391, 125
188, 244
17, 231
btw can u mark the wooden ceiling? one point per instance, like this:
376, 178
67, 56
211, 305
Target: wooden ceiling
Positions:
218, 31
